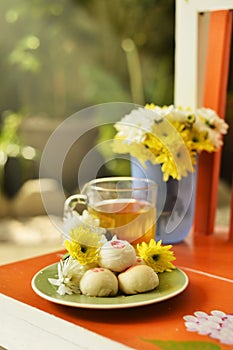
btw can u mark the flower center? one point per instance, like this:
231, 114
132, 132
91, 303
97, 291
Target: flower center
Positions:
83, 249
191, 118
155, 257
195, 139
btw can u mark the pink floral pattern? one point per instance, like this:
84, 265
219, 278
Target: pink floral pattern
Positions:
217, 325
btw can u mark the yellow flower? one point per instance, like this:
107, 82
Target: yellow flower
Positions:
199, 141
138, 150
84, 245
170, 151
150, 105
156, 256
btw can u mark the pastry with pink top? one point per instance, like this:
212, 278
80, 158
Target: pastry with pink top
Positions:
138, 279
99, 282
117, 255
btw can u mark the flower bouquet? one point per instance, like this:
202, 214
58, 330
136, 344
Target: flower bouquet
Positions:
164, 143
170, 136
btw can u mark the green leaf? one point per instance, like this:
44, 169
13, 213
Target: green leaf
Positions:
183, 345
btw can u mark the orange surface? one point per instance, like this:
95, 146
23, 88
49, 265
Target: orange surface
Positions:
163, 321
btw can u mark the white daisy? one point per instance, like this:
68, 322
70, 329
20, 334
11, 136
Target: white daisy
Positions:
69, 274
86, 219
89, 219
134, 126
212, 120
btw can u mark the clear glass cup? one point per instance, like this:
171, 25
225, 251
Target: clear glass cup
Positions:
125, 206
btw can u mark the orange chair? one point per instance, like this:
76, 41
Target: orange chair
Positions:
231, 220
215, 93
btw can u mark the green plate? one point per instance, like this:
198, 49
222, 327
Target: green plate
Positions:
170, 284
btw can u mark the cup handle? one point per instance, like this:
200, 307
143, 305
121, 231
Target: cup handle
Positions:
71, 203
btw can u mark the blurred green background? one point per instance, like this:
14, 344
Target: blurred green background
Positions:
60, 56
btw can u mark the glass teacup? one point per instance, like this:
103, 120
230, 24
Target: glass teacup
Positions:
124, 206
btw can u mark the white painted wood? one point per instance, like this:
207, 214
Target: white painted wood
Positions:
211, 5
190, 48
203, 30
186, 38
23, 327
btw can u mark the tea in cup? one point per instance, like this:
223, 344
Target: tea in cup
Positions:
125, 206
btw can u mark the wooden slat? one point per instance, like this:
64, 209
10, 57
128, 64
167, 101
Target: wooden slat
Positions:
215, 93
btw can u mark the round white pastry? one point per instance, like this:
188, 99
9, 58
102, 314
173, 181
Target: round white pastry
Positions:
138, 279
99, 282
117, 255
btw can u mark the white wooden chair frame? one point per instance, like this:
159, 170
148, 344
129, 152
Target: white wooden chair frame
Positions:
191, 44
194, 48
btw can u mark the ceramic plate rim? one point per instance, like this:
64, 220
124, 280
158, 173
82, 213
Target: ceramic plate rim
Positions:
107, 306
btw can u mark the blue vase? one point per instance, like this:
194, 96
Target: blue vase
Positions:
175, 202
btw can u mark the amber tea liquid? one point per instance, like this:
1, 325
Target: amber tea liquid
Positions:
130, 220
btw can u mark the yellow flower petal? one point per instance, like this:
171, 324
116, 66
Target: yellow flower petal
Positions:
156, 256
84, 245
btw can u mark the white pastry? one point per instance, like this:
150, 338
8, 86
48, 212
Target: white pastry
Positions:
117, 255
99, 282
138, 279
